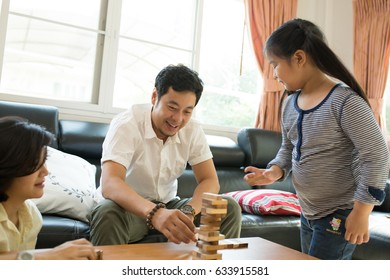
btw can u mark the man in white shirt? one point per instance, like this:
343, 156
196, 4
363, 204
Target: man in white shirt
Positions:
146, 149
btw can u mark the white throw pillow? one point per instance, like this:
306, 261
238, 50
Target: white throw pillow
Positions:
69, 187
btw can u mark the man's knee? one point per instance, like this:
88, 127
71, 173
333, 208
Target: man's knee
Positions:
233, 207
108, 224
106, 207
107, 212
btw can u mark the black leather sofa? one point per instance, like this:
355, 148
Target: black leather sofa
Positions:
254, 147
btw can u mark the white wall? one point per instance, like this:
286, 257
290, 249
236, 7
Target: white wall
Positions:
335, 18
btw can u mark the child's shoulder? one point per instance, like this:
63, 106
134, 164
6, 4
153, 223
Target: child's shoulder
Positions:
343, 89
344, 98
33, 210
31, 206
342, 93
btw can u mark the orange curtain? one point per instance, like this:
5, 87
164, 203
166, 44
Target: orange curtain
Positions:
372, 49
263, 17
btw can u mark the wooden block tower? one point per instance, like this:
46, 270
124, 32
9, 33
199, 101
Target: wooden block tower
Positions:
214, 208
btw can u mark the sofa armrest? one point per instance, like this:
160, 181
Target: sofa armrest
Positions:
225, 151
385, 206
260, 146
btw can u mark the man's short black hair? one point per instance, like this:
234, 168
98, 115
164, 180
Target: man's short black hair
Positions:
180, 78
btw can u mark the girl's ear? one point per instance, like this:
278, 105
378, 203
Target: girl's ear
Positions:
299, 57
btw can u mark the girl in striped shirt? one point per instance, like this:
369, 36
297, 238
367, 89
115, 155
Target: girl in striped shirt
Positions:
332, 144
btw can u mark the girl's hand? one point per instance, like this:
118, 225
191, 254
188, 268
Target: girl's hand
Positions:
356, 225
258, 177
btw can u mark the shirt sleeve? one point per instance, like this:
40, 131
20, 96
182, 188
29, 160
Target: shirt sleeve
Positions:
371, 153
199, 150
283, 158
119, 142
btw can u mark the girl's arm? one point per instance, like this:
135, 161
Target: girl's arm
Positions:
356, 225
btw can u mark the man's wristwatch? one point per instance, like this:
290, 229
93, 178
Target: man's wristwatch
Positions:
25, 255
187, 209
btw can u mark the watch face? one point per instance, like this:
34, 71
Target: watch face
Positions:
25, 256
187, 209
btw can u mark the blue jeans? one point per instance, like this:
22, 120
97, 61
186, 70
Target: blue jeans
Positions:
324, 238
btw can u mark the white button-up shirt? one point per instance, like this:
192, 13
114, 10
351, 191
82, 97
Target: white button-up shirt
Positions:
153, 166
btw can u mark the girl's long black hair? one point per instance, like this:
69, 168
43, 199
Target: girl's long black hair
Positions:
300, 34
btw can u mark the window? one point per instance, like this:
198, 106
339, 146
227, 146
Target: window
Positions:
232, 89
149, 40
50, 49
96, 58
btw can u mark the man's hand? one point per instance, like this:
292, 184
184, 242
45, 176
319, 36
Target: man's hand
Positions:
175, 225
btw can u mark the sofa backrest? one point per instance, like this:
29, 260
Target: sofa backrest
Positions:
84, 139
44, 115
228, 159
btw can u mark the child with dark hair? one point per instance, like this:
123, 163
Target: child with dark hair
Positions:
22, 177
332, 144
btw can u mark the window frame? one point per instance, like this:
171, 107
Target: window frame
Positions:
101, 109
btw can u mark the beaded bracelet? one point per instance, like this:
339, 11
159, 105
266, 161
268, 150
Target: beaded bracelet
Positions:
151, 214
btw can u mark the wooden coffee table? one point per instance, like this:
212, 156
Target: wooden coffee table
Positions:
258, 249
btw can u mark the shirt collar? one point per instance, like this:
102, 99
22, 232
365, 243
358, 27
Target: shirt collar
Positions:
23, 213
3, 214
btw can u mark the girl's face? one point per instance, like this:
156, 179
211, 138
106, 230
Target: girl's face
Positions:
286, 72
29, 186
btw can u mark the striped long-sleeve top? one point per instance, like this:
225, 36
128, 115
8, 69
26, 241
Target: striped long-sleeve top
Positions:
335, 151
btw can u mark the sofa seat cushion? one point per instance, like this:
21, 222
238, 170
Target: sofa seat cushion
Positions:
57, 230
378, 247
280, 229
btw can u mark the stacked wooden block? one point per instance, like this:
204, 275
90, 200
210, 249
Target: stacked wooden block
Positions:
214, 208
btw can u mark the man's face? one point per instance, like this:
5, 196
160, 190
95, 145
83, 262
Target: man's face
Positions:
171, 112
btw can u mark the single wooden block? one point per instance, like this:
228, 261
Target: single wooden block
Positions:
214, 203
211, 238
196, 255
208, 246
214, 211
211, 196
209, 227
233, 244
210, 219
207, 251
208, 233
